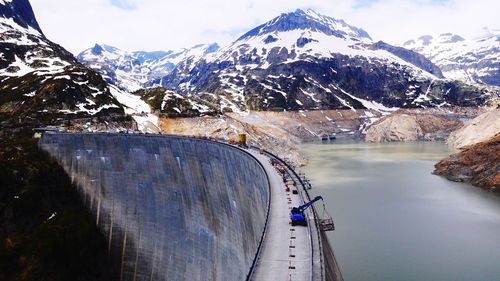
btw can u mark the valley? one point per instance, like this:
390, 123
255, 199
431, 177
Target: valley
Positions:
320, 93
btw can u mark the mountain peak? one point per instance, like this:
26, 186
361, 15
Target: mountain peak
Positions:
308, 20
428, 40
450, 38
21, 12
97, 50
487, 33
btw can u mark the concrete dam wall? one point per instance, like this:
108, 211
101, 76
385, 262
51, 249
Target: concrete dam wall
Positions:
170, 208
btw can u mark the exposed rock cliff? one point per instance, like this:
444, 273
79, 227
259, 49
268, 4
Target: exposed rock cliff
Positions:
477, 130
413, 125
478, 164
397, 127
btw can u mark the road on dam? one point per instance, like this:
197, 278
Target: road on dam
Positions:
286, 251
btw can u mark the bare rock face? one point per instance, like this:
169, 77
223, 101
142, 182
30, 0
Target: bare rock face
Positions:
477, 130
478, 164
414, 125
397, 127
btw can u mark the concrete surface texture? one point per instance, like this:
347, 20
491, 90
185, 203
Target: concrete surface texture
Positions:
171, 208
286, 251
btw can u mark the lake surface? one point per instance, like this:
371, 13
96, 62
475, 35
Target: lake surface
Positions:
396, 221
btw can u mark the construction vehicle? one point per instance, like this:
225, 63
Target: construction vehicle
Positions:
242, 140
297, 214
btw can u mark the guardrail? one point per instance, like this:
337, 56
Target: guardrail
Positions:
292, 172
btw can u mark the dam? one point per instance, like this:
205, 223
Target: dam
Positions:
176, 208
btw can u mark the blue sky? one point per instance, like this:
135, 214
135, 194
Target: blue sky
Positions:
174, 24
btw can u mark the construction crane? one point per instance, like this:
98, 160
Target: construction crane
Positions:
297, 213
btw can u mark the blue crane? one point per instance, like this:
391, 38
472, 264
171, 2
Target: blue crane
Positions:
297, 213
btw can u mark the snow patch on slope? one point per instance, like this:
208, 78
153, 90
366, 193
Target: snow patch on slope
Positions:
138, 109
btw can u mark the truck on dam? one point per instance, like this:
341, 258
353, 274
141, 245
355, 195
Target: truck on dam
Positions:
179, 208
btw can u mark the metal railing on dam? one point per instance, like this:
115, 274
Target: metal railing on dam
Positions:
324, 265
171, 208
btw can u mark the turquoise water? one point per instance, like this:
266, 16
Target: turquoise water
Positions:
397, 221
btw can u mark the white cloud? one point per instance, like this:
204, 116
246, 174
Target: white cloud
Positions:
173, 24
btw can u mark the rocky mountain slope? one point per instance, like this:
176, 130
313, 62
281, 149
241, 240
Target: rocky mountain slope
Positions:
478, 164
168, 103
130, 71
303, 60
40, 81
476, 61
477, 130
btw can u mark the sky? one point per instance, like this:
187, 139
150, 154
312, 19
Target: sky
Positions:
174, 24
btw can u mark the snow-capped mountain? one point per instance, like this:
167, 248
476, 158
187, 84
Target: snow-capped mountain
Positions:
476, 60
172, 104
40, 80
304, 60
130, 71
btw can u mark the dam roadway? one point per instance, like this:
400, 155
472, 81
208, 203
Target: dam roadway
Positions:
286, 251
177, 208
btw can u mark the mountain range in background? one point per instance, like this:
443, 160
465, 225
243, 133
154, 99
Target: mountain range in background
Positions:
473, 61
298, 61
131, 71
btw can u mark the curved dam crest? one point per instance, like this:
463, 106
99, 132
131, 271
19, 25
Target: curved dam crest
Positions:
171, 208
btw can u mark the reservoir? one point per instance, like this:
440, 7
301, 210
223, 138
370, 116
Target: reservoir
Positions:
396, 221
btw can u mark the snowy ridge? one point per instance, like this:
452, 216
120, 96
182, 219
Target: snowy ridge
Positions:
298, 60
303, 60
473, 60
309, 20
39, 79
20, 12
130, 71
138, 109
319, 45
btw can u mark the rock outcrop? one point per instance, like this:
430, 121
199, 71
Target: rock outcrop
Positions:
397, 127
478, 164
477, 130
413, 126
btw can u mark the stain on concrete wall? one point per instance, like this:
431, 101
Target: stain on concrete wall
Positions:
171, 208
